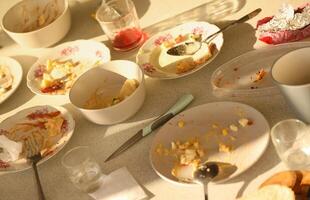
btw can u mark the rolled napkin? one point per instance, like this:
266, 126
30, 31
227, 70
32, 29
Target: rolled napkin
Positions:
119, 185
9, 150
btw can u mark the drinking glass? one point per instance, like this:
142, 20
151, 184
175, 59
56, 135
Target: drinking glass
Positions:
291, 139
119, 21
82, 169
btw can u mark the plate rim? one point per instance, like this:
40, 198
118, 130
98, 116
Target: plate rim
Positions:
19, 77
179, 183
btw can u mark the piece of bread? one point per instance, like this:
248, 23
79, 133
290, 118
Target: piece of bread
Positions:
298, 181
286, 178
271, 192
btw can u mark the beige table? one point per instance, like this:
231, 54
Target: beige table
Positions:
160, 95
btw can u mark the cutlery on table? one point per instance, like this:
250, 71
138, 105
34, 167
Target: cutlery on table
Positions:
212, 171
190, 48
33, 154
175, 109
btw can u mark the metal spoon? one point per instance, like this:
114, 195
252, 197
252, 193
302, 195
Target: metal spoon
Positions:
190, 48
212, 171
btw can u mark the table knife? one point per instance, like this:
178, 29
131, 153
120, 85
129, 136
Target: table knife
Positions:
175, 109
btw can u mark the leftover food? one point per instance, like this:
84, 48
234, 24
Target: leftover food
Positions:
98, 100
42, 16
6, 79
57, 76
180, 64
43, 127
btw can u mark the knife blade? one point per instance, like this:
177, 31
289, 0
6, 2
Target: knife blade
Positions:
175, 109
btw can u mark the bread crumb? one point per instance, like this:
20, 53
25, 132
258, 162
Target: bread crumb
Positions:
224, 148
181, 124
233, 127
243, 122
224, 132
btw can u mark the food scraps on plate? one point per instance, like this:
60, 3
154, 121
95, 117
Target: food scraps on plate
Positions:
180, 64
6, 79
43, 127
99, 99
189, 154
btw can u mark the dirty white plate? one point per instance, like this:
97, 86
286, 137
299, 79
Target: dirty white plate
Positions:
87, 52
237, 77
149, 63
16, 71
206, 122
21, 117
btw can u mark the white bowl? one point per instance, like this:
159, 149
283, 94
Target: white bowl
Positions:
110, 75
28, 12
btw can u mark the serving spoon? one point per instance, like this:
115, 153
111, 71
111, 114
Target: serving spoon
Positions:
190, 48
212, 171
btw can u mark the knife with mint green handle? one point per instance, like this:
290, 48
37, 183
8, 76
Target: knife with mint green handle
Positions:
174, 110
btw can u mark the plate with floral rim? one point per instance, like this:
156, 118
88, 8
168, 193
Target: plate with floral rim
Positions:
153, 59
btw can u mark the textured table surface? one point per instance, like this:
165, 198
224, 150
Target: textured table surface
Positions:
155, 15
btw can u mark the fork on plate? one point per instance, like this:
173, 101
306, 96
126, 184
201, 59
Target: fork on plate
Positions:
33, 154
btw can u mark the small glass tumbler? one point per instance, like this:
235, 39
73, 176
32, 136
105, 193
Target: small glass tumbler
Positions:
291, 139
119, 21
83, 170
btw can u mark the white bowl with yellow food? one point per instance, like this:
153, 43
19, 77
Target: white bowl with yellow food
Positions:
11, 74
55, 72
37, 23
157, 63
110, 93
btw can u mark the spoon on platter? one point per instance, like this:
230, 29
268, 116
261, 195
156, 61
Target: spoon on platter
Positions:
212, 171
190, 48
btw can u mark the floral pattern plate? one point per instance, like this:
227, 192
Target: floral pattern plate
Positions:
144, 55
87, 52
23, 117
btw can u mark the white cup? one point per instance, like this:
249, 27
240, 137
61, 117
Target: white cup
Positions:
291, 73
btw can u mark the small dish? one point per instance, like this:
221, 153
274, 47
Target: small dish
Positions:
108, 78
85, 53
155, 63
211, 124
22, 119
238, 77
37, 23
17, 73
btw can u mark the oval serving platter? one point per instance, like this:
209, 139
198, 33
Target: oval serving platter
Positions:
240, 76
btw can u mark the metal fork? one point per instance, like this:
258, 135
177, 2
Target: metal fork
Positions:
32, 152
